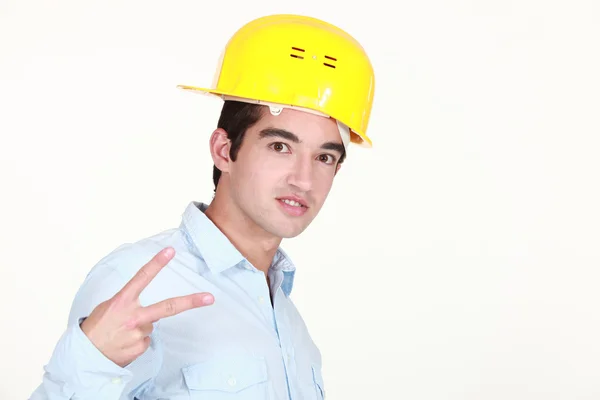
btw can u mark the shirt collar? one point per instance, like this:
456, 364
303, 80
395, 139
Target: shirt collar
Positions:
218, 252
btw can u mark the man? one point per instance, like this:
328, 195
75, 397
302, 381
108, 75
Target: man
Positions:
202, 311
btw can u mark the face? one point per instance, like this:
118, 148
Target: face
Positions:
284, 170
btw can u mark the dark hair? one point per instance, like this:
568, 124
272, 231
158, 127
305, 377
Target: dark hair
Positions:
235, 119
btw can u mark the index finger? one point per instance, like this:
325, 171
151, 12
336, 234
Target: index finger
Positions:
144, 276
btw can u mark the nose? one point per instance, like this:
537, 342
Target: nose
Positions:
301, 174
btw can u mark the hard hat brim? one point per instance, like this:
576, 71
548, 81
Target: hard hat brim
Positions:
356, 137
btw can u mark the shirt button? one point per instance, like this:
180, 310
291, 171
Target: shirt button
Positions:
116, 381
261, 299
231, 381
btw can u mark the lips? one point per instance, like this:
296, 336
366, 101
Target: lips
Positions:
293, 201
292, 205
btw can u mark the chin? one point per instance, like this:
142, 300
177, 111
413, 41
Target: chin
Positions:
290, 235
281, 225
285, 229
287, 233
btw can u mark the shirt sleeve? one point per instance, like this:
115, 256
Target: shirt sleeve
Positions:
77, 369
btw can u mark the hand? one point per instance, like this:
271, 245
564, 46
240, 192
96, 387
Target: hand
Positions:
120, 327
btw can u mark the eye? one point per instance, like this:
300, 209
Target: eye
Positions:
279, 147
327, 158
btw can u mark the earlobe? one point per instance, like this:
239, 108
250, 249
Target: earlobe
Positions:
219, 149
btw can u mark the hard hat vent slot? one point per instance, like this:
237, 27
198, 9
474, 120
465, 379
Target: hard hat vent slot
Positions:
296, 55
330, 65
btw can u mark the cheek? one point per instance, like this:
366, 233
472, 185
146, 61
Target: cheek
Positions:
258, 176
323, 181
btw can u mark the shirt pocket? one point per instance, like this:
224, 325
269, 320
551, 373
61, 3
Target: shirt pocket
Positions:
240, 377
318, 382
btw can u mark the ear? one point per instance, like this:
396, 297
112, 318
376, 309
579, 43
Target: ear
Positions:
219, 149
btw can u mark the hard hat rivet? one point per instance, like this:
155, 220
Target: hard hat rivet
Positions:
314, 57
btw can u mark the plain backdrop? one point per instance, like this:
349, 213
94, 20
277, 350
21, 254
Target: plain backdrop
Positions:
457, 259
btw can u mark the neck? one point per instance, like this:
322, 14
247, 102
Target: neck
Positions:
253, 242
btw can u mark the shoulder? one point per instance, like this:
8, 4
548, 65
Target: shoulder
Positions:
116, 268
128, 258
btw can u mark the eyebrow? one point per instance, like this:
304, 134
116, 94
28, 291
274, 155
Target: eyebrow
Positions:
281, 133
285, 134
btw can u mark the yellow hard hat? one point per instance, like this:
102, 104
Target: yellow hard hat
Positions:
299, 62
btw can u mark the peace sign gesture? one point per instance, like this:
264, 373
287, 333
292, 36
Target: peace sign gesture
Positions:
120, 327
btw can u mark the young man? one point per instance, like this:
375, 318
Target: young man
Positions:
202, 311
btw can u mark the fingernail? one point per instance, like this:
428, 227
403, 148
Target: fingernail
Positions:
169, 252
208, 300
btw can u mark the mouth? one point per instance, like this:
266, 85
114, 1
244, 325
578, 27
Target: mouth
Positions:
293, 205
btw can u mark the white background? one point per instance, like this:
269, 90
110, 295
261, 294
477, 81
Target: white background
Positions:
457, 259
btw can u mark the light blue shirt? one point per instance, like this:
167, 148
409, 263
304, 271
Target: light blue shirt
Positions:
241, 347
